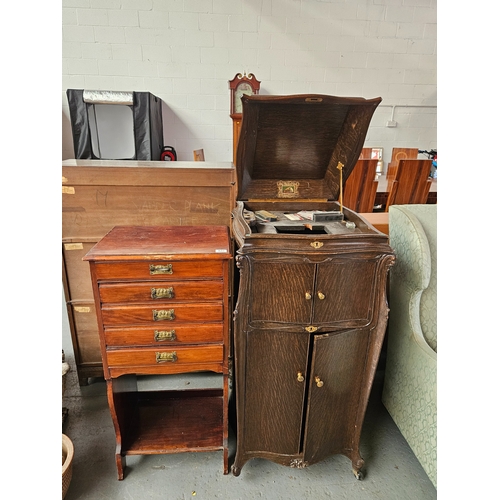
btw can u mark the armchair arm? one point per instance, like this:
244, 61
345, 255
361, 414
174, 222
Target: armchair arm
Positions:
411, 275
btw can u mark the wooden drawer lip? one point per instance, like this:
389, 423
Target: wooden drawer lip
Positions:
142, 291
146, 356
188, 333
141, 270
143, 313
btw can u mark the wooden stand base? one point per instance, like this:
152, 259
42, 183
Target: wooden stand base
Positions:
156, 422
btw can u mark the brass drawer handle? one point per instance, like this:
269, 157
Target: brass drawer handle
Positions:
318, 381
162, 335
163, 314
161, 269
300, 377
162, 293
321, 296
166, 357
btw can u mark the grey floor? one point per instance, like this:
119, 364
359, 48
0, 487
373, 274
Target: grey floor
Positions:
392, 471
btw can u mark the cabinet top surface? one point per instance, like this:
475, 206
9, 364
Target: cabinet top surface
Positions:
147, 164
162, 243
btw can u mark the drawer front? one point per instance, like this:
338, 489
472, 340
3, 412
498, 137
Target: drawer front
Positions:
161, 290
168, 270
164, 335
164, 357
162, 313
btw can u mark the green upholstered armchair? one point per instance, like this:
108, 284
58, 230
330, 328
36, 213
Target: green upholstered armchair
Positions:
410, 385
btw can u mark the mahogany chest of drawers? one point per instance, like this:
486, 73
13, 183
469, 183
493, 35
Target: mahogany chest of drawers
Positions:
162, 300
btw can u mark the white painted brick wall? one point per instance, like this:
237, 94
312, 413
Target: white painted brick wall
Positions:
186, 51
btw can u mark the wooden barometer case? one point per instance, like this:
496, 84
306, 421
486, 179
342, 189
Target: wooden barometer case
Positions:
240, 85
311, 310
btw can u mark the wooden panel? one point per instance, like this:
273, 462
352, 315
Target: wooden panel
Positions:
361, 187
95, 210
187, 333
274, 397
146, 173
98, 195
87, 330
173, 422
236, 135
343, 302
125, 314
411, 183
141, 270
77, 270
178, 290
400, 154
290, 306
147, 356
403, 154
339, 363
366, 154
379, 220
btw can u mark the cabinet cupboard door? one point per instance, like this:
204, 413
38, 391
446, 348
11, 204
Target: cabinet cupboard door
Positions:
302, 294
344, 291
274, 391
278, 292
336, 378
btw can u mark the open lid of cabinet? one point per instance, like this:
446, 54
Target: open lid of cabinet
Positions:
290, 147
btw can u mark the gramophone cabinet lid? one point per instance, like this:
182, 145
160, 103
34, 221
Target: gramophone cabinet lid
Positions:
299, 147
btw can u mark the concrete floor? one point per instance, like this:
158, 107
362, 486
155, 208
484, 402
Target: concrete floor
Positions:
391, 469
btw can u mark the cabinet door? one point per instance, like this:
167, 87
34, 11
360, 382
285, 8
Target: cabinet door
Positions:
337, 370
344, 291
274, 391
279, 291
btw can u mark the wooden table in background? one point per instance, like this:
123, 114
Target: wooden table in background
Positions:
380, 220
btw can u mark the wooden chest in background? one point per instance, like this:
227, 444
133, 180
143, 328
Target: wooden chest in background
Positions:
101, 194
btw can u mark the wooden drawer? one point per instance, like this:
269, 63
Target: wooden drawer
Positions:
161, 290
163, 336
164, 313
171, 356
159, 270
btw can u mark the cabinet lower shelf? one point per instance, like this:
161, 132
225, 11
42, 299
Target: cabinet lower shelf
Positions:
171, 421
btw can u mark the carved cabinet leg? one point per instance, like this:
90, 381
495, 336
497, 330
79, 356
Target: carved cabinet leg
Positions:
357, 466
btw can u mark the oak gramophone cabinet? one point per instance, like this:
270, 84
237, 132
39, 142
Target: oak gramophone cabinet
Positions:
311, 309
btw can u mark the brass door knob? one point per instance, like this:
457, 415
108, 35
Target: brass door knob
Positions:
321, 296
308, 296
300, 377
318, 381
